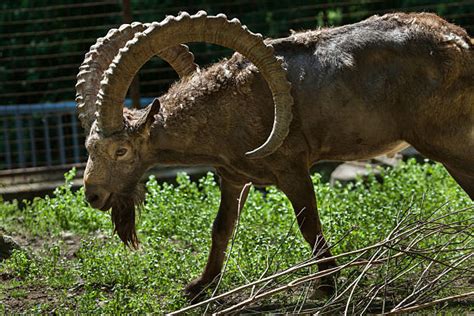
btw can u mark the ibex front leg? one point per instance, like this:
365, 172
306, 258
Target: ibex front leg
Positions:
231, 199
298, 187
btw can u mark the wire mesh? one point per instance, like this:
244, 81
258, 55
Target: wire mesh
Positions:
42, 44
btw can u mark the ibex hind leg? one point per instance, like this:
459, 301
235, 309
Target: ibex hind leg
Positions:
464, 178
456, 153
461, 169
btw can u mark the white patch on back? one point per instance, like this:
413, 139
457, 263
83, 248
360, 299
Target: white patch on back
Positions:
451, 37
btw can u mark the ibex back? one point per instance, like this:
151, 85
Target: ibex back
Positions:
351, 92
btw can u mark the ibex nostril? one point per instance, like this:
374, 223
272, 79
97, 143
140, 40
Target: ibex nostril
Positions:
92, 198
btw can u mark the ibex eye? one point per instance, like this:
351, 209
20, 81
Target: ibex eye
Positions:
121, 152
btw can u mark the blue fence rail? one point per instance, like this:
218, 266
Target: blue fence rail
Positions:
38, 135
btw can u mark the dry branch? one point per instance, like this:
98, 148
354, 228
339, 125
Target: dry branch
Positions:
414, 275
432, 303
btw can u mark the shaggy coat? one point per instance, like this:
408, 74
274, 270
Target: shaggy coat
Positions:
359, 91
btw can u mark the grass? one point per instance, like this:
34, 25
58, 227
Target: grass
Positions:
75, 264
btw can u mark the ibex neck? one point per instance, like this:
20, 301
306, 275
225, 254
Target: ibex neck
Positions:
213, 116
193, 117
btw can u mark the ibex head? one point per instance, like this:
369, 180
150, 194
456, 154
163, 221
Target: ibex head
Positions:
118, 140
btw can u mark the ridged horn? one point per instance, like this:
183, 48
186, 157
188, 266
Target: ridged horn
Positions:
99, 58
198, 28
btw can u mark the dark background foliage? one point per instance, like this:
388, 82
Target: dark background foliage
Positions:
42, 43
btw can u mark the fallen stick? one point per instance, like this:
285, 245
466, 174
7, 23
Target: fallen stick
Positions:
428, 304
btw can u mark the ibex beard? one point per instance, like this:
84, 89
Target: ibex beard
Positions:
124, 206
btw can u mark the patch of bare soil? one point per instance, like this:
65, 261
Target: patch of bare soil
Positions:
35, 244
20, 299
72, 243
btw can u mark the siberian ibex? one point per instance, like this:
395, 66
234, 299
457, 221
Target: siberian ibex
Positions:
343, 93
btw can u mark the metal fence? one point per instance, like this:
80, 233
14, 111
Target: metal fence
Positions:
40, 135
36, 135
42, 44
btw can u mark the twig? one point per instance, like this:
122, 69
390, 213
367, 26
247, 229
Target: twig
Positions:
298, 282
406, 238
243, 193
386, 283
428, 304
433, 281
279, 274
281, 244
357, 280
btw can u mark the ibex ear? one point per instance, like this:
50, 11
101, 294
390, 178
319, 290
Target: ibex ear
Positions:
147, 118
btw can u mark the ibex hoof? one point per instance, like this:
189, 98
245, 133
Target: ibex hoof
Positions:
196, 290
324, 288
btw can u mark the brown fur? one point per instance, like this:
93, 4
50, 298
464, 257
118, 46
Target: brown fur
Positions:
360, 90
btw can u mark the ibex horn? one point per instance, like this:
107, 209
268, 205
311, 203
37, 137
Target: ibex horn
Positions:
99, 58
198, 28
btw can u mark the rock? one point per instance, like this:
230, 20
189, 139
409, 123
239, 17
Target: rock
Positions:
7, 245
67, 235
349, 171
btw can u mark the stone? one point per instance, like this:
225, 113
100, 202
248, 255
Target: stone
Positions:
350, 170
7, 245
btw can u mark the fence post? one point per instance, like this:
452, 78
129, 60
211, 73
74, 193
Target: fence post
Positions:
75, 137
6, 142
19, 140
47, 144
62, 149
135, 86
32, 140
